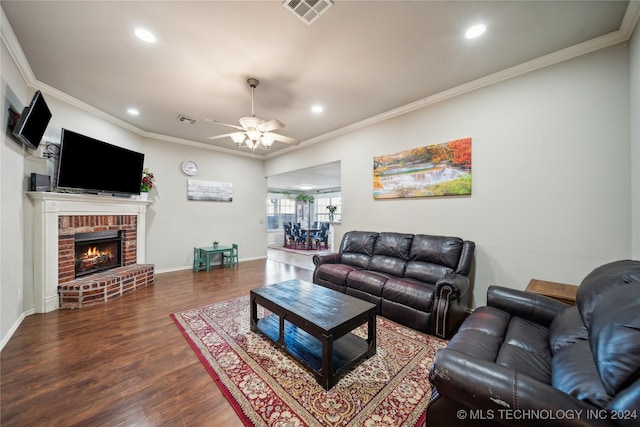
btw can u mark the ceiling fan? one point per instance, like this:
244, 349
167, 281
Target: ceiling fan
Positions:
255, 132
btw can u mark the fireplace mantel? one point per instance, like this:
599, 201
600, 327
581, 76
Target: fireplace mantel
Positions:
48, 207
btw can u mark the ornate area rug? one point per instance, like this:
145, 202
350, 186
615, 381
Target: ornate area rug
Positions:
266, 387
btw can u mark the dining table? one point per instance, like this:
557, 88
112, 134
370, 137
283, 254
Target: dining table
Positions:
212, 250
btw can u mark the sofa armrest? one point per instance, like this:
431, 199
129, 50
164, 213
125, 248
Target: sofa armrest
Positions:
530, 306
333, 258
504, 395
457, 285
450, 301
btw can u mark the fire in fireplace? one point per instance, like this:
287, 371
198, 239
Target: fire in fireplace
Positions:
97, 251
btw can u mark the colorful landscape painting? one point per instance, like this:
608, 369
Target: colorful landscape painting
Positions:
434, 170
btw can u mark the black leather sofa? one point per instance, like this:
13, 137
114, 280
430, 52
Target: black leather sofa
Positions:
417, 280
528, 360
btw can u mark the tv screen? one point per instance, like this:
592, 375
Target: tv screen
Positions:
95, 166
33, 121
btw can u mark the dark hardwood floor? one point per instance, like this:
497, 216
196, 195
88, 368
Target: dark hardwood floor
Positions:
125, 363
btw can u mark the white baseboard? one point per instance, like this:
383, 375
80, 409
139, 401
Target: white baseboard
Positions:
14, 328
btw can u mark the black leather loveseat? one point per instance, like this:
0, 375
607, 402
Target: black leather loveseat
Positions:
528, 360
417, 280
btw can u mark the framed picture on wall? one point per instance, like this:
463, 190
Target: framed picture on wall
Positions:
434, 170
209, 190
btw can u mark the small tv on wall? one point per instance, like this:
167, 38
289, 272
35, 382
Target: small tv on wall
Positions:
92, 166
33, 121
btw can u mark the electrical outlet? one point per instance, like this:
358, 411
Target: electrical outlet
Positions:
19, 294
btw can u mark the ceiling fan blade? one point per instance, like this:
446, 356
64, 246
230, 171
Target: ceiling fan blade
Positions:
285, 139
224, 124
271, 125
221, 136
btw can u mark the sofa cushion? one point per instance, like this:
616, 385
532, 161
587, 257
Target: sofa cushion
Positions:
526, 349
481, 334
566, 329
396, 245
433, 257
367, 281
334, 273
574, 373
409, 292
357, 248
615, 337
391, 253
426, 271
386, 264
439, 250
601, 281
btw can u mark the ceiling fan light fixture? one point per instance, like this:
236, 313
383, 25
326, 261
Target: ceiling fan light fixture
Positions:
267, 140
238, 138
254, 135
252, 144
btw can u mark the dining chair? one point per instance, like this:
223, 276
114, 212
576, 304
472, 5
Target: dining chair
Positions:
299, 236
288, 234
230, 259
199, 260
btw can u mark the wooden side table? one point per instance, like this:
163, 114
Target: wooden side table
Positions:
560, 291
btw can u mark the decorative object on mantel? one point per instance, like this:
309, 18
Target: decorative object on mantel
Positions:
434, 170
147, 184
265, 387
209, 190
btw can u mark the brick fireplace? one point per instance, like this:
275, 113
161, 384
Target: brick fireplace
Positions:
58, 218
71, 226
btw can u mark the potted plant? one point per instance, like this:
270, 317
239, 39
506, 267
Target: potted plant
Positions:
147, 183
305, 198
215, 243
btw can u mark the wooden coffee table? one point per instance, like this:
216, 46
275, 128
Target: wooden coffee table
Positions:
313, 324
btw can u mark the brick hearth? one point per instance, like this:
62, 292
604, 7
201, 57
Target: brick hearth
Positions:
105, 286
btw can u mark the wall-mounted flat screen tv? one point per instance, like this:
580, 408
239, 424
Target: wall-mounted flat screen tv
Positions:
94, 166
33, 121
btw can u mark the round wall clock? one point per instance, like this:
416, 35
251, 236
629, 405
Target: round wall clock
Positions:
189, 167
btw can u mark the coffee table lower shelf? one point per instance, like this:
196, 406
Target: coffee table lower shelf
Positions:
307, 349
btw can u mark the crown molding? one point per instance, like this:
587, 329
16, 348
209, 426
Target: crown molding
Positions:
15, 50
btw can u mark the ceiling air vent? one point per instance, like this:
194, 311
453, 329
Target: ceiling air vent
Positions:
185, 119
307, 10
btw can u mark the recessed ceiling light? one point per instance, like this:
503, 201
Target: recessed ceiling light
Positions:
305, 187
475, 31
145, 35
317, 109
133, 112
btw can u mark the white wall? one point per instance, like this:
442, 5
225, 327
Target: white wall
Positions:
175, 225
551, 180
635, 141
12, 186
